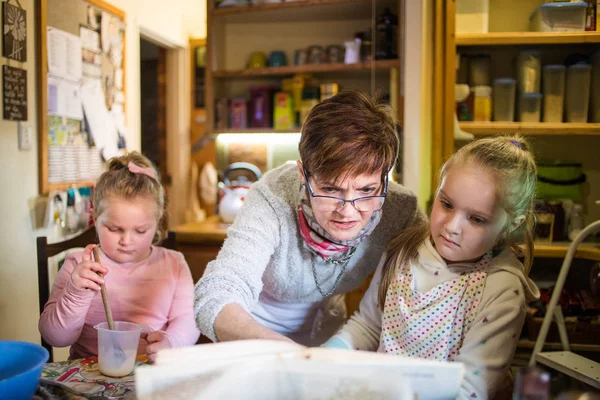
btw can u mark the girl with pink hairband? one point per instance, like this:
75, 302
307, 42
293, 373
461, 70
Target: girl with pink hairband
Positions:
146, 284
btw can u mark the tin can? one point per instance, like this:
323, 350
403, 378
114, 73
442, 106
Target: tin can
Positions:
335, 53
300, 57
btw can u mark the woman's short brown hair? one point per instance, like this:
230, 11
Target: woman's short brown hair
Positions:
348, 135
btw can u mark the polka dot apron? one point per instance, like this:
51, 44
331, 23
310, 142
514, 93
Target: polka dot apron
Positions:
433, 324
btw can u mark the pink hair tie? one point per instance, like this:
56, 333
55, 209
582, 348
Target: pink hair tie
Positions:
136, 169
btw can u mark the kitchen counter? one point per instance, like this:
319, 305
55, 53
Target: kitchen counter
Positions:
200, 242
209, 231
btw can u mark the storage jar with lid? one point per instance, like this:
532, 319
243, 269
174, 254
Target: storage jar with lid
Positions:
529, 69
554, 92
578, 92
560, 16
530, 107
483, 103
504, 99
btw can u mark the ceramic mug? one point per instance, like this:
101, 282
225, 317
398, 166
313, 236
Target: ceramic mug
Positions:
257, 59
277, 58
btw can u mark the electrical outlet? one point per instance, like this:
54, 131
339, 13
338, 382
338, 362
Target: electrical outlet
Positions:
25, 137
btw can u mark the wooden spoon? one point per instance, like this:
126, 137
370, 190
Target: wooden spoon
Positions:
109, 316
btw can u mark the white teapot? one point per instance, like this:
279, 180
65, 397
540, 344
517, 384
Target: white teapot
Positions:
233, 193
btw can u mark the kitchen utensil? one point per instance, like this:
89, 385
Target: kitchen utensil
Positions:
117, 348
109, 317
232, 193
118, 355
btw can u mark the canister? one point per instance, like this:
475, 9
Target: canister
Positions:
483, 103
554, 92
578, 92
529, 69
530, 107
504, 99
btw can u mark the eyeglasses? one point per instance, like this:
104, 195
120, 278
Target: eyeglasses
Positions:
330, 203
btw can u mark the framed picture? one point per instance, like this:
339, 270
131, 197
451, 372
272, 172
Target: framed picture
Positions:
14, 35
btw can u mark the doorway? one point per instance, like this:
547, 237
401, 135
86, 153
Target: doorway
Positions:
153, 105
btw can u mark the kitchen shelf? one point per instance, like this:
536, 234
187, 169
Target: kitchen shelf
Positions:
67, 185
311, 68
586, 251
255, 130
278, 6
531, 128
526, 38
530, 344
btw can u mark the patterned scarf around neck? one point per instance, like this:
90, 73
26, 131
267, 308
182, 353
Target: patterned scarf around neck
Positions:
318, 241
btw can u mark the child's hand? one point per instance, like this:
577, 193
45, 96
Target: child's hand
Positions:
85, 275
157, 340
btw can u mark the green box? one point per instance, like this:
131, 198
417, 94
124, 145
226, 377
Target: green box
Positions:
560, 181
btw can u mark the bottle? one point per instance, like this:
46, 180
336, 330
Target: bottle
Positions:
386, 39
576, 221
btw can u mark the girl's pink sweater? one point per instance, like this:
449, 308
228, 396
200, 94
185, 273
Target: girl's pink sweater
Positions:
157, 292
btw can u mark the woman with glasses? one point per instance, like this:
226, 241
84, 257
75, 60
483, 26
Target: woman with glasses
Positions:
309, 232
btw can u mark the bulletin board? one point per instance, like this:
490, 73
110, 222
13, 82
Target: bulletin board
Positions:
81, 90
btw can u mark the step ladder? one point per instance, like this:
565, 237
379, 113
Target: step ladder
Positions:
566, 362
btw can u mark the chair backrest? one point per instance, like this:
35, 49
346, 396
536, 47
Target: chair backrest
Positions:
46, 250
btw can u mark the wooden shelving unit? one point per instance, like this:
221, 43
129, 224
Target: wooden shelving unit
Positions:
587, 251
315, 68
526, 38
532, 128
220, 12
233, 33
256, 130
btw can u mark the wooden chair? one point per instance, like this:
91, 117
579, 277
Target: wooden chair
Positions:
46, 250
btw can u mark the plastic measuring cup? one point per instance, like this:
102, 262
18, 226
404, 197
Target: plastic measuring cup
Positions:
117, 349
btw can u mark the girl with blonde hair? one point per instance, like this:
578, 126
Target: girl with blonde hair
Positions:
146, 284
454, 289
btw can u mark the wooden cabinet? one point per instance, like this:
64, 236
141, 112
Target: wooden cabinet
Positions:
235, 32
508, 35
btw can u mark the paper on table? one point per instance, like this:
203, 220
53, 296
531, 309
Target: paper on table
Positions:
64, 54
202, 369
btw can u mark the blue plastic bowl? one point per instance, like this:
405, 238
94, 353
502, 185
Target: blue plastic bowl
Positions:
21, 366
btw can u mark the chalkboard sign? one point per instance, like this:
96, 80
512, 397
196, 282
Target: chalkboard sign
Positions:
15, 93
